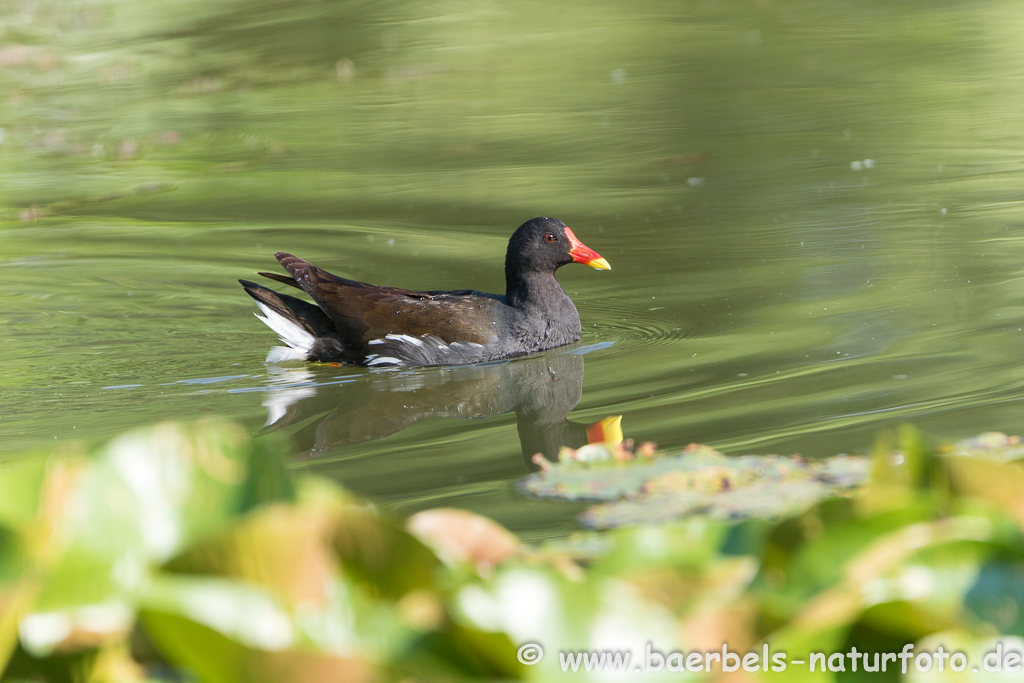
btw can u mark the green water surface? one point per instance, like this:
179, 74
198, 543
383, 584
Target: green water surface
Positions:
813, 212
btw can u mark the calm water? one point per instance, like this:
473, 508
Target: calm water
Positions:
813, 214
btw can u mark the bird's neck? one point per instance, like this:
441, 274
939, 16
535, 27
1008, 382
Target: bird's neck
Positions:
532, 288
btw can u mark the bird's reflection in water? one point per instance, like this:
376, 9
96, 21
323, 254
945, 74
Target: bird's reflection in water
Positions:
329, 412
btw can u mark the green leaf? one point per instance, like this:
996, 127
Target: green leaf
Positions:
385, 559
21, 482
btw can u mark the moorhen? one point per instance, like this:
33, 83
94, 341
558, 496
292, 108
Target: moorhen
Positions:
387, 326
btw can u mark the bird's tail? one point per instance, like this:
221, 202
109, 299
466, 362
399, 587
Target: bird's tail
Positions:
307, 331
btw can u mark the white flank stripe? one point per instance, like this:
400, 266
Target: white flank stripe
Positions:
375, 341
385, 360
404, 338
290, 333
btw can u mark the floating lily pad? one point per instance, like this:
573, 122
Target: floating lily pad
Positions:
990, 445
697, 481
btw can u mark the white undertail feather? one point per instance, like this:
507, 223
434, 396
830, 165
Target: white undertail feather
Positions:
279, 354
299, 341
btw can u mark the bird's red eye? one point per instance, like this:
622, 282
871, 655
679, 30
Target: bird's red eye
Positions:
549, 237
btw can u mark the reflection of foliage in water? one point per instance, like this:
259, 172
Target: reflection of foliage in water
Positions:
276, 109
192, 548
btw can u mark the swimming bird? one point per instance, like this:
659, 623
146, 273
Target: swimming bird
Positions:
378, 326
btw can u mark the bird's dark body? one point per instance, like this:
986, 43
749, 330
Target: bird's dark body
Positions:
358, 322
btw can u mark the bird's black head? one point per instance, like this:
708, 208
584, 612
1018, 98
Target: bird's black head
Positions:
545, 244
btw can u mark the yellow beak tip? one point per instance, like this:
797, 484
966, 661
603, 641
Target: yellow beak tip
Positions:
599, 264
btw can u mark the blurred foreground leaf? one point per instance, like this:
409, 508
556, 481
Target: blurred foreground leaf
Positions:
234, 570
192, 553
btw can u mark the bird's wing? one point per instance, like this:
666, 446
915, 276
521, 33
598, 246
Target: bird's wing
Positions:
363, 312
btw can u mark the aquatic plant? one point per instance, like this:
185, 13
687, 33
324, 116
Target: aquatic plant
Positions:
192, 553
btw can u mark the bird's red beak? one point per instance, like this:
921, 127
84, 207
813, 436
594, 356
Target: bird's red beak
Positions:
581, 253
